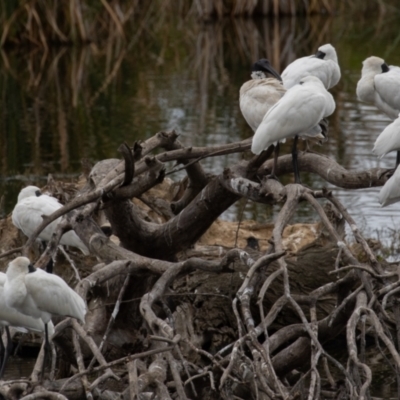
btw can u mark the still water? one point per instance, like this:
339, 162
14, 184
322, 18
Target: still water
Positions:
73, 103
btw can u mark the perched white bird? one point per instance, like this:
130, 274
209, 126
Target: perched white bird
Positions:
27, 216
390, 192
39, 294
299, 110
380, 85
260, 93
323, 64
388, 140
11, 317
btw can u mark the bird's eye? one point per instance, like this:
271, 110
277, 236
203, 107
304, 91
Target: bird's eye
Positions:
301, 82
38, 193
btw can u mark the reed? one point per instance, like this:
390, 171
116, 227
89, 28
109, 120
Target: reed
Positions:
43, 23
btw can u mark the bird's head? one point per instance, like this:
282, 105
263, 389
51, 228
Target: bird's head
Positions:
29, 191
20, 266
261, 68
374, 65
326, 52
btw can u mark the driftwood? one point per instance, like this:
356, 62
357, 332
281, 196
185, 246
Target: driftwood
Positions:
171, 319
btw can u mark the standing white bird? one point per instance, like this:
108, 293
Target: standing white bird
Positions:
380, 85
39, 294
27, 216
11, 317
323, 64
390, 192
298, 111
260, 93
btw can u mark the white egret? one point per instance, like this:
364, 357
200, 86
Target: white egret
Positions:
380, 85
323, 64
39, 294
27, 216
11, 317
298, 111
390, 192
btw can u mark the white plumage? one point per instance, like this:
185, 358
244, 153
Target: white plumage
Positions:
11, 317
323, 64
260, 93
27, 216
390, 192
388, 140
299, 110
380, 85
39, 294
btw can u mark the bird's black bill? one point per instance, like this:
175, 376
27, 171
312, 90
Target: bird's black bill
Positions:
31, 268
320, 54
385, 67
38, 193
265, 66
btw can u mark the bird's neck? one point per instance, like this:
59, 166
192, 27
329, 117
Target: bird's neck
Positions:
258, 75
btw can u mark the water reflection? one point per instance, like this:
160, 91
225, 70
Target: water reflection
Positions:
67, 104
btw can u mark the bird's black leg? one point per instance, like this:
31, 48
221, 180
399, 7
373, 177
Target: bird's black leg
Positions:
47, 349
397, 159
274, 168
295, 162
6, 350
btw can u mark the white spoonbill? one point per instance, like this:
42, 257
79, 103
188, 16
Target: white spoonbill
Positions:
390, 192
298, 111
27, 216
260, 93
323, 64
380, 85
11, 317
39, 294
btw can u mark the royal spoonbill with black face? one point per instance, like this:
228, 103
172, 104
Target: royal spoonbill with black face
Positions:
323, 64
39, 294
299, 110
390, 192
11, 317
380, 85
27, 216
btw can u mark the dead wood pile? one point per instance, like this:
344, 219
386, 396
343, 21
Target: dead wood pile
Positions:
180, 308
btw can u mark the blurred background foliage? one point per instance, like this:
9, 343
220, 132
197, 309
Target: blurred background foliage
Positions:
79, 77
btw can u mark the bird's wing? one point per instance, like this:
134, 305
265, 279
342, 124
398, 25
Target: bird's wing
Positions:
257, 97
388, 140
307, 66
51, 294
390, 192
26, 218
387, 86
14, 318
298, 111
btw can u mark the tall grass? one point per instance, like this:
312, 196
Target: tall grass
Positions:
46, 22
